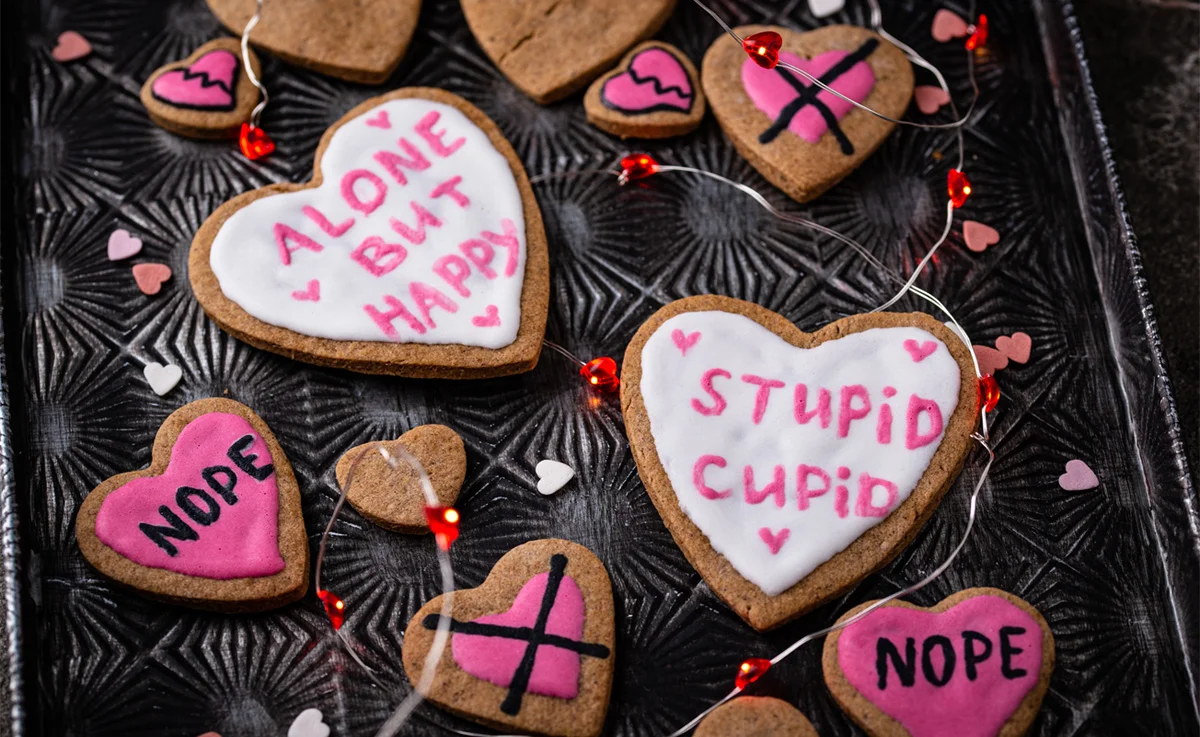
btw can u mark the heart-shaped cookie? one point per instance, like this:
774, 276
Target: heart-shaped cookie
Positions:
760, 716
653, 93
419, 219
549, 48
360, 41
392, 497
531, 649
788, 465
975, 665
213, 523
207, 95
800, 137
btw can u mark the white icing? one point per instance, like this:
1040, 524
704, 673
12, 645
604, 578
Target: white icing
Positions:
876, 358
246, 259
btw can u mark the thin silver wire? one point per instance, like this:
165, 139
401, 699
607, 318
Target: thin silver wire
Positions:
254, 80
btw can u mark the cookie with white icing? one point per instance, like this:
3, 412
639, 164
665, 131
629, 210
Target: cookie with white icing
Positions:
416, 250
789, 465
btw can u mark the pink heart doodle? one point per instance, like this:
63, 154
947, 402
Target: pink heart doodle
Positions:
990, 360
123, 245
1016, 348
774, 540
655, 80
919, 351
1079, 477
311, 294
948, 25
930, 99
684, 342
979, 236
489, 319
771, 92
380, 120
205, 84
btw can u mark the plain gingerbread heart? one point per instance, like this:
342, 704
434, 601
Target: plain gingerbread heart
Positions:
361, 41
549, 49
760, 716
393, 497
458, 691
248, 594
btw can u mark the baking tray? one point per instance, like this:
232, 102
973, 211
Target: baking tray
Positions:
1115, 570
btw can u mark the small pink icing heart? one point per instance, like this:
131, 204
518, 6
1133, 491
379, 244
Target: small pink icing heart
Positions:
489, 319
150, 277
948, 25
312, 293
655, 80
990, 359
1017, 347
123, 245
380, 120
930, 99
684, 342
1079, 477
771, 92
71, 46
774, 540
979, 236
205, 84
920, 351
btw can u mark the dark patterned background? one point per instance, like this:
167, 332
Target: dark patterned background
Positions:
1113, 569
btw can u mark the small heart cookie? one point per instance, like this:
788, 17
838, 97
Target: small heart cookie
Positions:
549, 49
975, 665
789, 465
532, 649
392, 497
801, 142
206, 95
361, 41
213, 523
653, 93
760, 716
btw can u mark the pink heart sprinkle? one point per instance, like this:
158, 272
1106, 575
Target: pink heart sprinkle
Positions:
71, 46
979, 236
311, 294
489, 319
948, 25
1017, 347
684, 342
919, 352
123, 245
150, 277
380, 120
990, 359
1079, 476
930, 99
774, 541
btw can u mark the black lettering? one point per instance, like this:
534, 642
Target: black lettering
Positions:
1007, 651
158, 534
246, 462
184, 496
906, 669
947, 659
225, 489
971, 658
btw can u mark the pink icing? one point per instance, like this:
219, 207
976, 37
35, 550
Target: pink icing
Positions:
396, 310
706, 383
380, 120
351, 197
454, 270
434, 138
920, 351
775, 487
449, 187
980, 692
684, 342
913, 437
803, 491
232, 521
285, 234
764, 391
866, 506
774, 540
392, 162
323, 223
416, 234
489, 319
770, 92
847, 412
495, 659
206, 84
655, 80
705, 490
803, 414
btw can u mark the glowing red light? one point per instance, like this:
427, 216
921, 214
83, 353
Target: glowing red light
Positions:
637, 166
443, 523
763, 48
601, 373
335, 608
979, 34
959, 187
254, 142
989, 393
751, 670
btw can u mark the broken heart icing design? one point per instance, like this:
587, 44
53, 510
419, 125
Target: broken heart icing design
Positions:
417, 227
212, 514
654, 80
784, 456
206, 84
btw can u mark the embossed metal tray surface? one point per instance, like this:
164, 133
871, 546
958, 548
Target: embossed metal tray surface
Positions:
1113, 569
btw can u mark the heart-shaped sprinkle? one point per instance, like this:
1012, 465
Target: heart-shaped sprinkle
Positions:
162, 379
930, 98
979, 236
825, 8
1016, 347
1079, 476
489, 319
210, 734
71, 46
150, 277
684, 342
122, 245
552, 476
920, 351
990, 359
379, 120
311, 293
948, 25
309, 723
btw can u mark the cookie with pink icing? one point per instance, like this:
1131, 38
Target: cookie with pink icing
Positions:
789, 465
213, 523
206, 95
977, 664
800, 137
531, 650
653, 93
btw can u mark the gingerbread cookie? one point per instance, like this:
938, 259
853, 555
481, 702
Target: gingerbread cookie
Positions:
977, 664
549, 49
359, 41
393, 497
789, 465
805, 143
207, 95
653, 93
756, 716
213, 523
531, 650
416, 250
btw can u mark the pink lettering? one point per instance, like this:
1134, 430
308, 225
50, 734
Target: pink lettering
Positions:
351, 197
508, 240
448, 187
883, 428
913, 438
706, 383
774, 488
800, 406
480, 254
454, 271
323, 223
286, 233
698, 477
847, 413
384, 319
392, 163
865, 506
841, 501
803, 492
416, 235
434, 138
427, 297
378, 257
764, 390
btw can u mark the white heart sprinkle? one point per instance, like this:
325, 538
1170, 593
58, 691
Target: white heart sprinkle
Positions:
162, 379
552, 476
824, 8
309, 723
